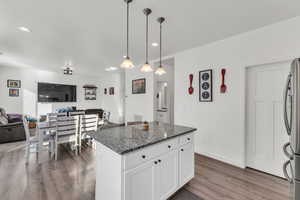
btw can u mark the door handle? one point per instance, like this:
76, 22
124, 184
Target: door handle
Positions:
285, 96
286, 175
290, 156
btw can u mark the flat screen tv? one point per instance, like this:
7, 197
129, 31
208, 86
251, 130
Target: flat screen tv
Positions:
48, 92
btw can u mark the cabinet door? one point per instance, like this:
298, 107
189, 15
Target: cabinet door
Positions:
140, 182
168, 175
186, 163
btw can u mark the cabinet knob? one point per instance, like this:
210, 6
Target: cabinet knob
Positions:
182, 150
155, 162
143, 156
169, 146
159, 160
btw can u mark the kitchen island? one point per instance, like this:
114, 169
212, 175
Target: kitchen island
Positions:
137, 164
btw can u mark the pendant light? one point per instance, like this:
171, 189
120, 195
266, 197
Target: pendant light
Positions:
127, 63
160, 70
147, 67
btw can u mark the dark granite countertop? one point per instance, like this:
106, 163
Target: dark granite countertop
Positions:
125, 139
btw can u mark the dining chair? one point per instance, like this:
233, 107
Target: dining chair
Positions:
66, 132
34, 140
88, 123
75, 113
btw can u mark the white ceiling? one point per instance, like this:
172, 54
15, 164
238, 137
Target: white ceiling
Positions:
92, 33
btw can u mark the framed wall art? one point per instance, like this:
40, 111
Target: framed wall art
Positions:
13, 83
205, 86
13, 92
139, 86
90, 92
111, 91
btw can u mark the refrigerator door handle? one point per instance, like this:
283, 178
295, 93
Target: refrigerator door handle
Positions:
290, 156
286, 175
285, 115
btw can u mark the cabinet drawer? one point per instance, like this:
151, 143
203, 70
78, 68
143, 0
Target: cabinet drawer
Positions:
186, 138
140, 156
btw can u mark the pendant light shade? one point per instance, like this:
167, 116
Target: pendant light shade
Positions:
160, 70
127, 63
147, 67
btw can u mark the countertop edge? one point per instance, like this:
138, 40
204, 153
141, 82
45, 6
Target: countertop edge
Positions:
146, 145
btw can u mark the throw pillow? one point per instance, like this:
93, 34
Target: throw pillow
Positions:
3, 113
3, 120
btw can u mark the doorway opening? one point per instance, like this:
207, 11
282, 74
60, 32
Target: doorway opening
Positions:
163, 107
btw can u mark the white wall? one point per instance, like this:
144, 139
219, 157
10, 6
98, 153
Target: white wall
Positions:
113, 103
27, 102
139, 104
221, 124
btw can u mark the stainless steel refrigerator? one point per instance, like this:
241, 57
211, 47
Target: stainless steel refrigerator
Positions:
291, 168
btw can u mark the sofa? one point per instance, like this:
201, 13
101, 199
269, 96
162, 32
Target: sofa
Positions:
11, 127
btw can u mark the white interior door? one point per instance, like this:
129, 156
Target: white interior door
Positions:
264, 114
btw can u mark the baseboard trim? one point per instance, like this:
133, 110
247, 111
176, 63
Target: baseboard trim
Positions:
223, 159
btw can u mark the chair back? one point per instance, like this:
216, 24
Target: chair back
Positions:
52, 117
67, 125
88, 123
75, 113
26, 127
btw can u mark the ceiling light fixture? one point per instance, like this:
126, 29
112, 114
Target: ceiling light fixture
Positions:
127, 63
154, 44
24, 29
160, 70
147, 67
68, 69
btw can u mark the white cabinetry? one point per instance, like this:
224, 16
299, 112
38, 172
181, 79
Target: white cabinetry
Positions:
168, 175
186, 164
140, 182
151, 173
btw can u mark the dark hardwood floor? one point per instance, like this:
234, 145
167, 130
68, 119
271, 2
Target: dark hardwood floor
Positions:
215, 180
73, 178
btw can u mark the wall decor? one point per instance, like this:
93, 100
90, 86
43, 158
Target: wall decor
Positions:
223, 87
205, 86
13, 83
139, 86
105, 90
13, 92
90, 92
111, 91
191, 89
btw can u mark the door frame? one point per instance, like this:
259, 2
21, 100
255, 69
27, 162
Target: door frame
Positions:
245, 100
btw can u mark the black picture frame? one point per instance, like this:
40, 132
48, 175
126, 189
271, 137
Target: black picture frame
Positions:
13, 83
14, 92
139, 86
206, 85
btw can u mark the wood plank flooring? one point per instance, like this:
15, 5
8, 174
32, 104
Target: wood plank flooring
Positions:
73, 178
215, 180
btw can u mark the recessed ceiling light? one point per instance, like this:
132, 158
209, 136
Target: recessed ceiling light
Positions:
111, 69
154, 44
24, 29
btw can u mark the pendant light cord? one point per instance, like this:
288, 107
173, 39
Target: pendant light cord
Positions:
127, 29
147, 19
160, 41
